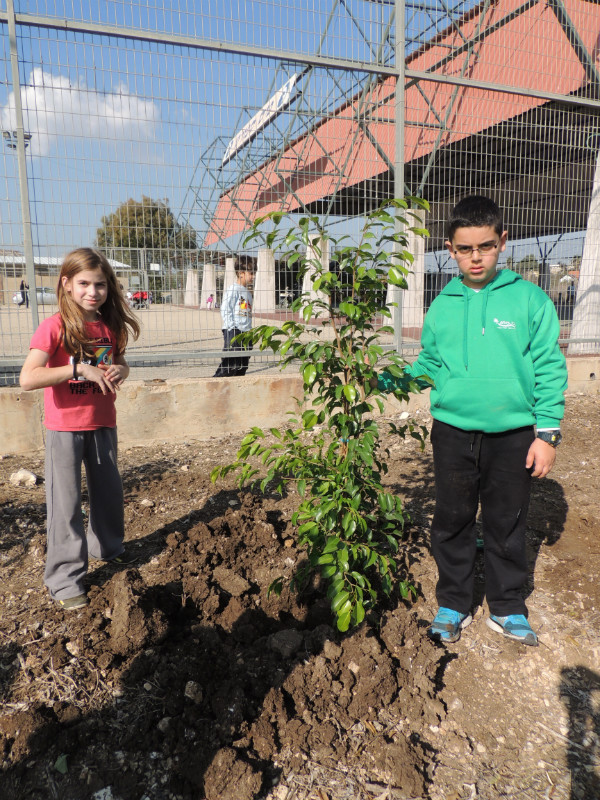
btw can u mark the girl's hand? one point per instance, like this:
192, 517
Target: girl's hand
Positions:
97, 375
116, 374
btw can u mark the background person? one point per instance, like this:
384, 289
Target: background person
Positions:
24, 289
78, 357
236, 316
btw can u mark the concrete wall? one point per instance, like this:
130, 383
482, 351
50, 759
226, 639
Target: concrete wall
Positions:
175, 410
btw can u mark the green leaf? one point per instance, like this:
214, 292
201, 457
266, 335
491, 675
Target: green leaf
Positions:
325, 558
358, 613
343, 621
309, 374
331, 544
396, 277
339, 600
309, 419
350, 393
275, 587
348, 309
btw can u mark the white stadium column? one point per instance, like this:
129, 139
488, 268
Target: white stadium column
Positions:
318, 251
191, 296
586, 314
264, 283
229, 272
209, 284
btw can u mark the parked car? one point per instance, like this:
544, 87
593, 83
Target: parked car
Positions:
45, 296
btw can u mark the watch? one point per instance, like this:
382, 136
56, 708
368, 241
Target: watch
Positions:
551, 437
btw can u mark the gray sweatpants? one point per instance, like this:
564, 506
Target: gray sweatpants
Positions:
68, 546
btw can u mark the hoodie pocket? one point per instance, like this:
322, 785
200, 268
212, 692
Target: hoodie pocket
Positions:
484, 403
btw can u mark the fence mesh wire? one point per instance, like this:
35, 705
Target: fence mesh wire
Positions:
159, 133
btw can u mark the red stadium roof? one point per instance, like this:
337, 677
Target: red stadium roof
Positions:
525, 49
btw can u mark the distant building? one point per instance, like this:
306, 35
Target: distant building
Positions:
12, 264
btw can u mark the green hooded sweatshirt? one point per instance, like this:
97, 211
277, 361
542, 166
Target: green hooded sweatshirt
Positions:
493, 357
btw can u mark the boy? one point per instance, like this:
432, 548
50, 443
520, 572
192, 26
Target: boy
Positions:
490, 345
236, 314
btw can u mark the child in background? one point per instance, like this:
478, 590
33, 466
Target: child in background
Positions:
78, 357
236, 315
490, 345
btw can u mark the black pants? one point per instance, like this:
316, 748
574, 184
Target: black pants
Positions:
229, 367
473, 467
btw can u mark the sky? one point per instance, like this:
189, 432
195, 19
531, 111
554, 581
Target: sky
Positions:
112, 118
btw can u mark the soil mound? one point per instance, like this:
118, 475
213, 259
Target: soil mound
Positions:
207, 685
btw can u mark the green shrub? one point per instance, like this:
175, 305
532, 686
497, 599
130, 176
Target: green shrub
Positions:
332, 448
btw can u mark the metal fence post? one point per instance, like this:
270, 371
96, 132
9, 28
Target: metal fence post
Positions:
397, 293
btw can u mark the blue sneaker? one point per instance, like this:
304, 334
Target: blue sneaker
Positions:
515, 626
447, 625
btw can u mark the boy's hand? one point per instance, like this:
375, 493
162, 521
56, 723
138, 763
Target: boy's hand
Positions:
541, 456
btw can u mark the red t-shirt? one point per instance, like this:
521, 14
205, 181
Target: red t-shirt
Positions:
76, 405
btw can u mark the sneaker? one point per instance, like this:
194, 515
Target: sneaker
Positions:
515, 626
72, 603
126, 557
447, 625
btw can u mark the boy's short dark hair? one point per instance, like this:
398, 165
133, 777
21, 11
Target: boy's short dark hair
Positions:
475, 211
245, 263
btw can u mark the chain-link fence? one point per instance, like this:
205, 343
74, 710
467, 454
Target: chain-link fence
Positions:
161, 134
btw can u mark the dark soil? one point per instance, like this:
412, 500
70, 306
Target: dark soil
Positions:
183, 678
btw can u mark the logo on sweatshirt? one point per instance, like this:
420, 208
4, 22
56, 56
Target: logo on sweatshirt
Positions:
505, 325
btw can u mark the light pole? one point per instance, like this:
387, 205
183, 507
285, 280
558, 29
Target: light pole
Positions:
11, 139
18, 140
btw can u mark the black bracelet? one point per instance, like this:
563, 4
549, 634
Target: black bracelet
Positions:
73, 361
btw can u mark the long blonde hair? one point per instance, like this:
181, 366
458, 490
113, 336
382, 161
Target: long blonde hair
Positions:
114, 311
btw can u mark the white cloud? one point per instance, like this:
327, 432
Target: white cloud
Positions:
54, 108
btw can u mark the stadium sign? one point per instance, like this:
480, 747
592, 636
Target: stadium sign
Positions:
274, 106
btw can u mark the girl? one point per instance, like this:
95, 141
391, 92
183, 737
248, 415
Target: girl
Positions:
77, 357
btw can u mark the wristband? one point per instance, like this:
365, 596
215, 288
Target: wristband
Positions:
74, 362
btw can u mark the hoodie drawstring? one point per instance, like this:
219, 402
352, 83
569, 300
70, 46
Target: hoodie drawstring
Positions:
465, 331
467, 297
486, 294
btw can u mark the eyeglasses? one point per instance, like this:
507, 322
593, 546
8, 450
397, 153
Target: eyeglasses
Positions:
484, 249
